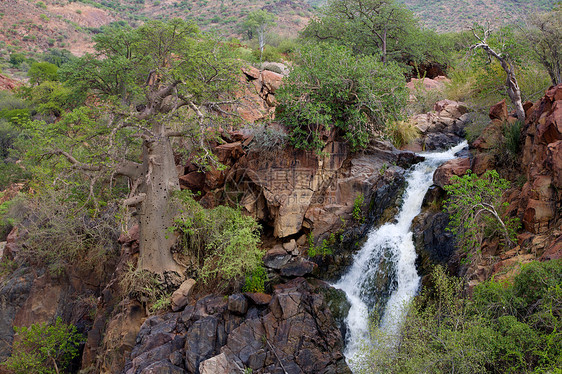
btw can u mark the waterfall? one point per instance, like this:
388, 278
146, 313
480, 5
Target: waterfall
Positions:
383, 277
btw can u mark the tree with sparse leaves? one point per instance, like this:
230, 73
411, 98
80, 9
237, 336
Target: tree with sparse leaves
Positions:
259, 22
475, 207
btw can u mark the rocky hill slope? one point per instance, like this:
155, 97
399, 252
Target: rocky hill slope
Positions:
457, 15
37, 26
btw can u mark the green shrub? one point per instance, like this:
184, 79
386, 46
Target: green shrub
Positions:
255, 281
43, 348
358, 208
507, 150
223, 242
332, 89
401, 133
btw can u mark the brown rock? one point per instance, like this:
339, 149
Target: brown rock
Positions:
551, 130
538, 215
554, 252
194, 181
490, 136
482, 162
450, 108
214, 178
258, 298
458, 167
272, 81
8, 84
290, 246
180, 297
230, 152
554, 93
499, 111
554, 160
251, 72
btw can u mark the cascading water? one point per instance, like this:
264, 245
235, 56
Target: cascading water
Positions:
383, 277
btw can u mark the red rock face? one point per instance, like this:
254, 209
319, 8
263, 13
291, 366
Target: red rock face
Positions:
542, 162
458, 167
499, 111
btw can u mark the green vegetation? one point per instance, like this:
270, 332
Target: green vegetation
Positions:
44, 348
380, 28
476, 210
509, 327
223, 243
357, 212
331, 89
323, 248
446, 17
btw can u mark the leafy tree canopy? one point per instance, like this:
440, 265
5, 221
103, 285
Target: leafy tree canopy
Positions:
378, 27
330, 89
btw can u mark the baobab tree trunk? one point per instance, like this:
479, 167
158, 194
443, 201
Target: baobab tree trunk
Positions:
159, 182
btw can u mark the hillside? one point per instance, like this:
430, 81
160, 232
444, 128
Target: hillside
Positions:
27, 26
457, 15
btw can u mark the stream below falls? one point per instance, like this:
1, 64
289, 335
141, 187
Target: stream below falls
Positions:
383, 278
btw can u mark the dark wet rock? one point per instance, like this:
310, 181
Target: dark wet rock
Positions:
297, 267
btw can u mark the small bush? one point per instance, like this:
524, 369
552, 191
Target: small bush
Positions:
43, 348
269, 139
255, 282
223, 242
507, 150
401, 133
358, 208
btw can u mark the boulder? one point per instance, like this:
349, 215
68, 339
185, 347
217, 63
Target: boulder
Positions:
290, 246
450, 109
538, 215
271, 81
276, 257
258, 298
237, 304
554, 252
443, 174
194, 181
251, 72
228, 153
482, 162
554, 161
297, 267
180, 297
499, 111
219, 364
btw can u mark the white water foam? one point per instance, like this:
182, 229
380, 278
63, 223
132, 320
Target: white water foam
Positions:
393, 244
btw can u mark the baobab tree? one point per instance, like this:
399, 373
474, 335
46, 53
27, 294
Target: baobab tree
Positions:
144, 87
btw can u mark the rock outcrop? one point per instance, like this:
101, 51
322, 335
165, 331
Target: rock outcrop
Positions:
441, 128
293, 333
